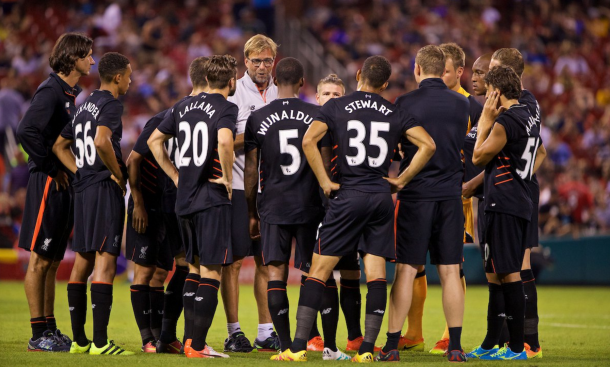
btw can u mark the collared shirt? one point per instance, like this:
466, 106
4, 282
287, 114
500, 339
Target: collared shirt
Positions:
51, 109
248, 98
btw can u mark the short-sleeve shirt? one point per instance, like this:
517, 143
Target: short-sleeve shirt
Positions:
470, 170
99, 109
196, 122
365, 129
289, 190
507, 175
152, 177
528, 99
444, 114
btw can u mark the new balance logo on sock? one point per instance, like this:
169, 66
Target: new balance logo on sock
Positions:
502, 315
93, 305
282, 312
146, 312
326, 311
189, 294
379, 311
198, 299
71, 308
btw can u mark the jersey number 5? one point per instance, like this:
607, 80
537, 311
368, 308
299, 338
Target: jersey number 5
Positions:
287, 148
374, 139
84, 146
529, 156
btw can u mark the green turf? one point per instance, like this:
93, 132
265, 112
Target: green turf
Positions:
574, 329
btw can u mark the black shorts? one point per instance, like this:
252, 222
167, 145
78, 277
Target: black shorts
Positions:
207, 234
277, 243
99, 212
504, 245
435, 226
172, 238
48, 217
350, 262
148, 248
354, 214
531, 229
241, 242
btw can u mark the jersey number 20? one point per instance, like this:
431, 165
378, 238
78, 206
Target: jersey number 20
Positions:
199, 138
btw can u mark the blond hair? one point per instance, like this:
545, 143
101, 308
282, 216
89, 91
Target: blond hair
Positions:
431, 59
258, 44
331, 79
455, 53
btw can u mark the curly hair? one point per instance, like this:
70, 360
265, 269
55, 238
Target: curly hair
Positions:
111, 64
69, 48
506, 80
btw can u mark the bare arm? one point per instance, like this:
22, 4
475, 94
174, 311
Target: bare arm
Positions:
239, 142
62, 150
225, 155
251, 178
488, 145
326, 154
313, 135
470, 187
103, 146
155, 144
540, 156
139, 217
426, 147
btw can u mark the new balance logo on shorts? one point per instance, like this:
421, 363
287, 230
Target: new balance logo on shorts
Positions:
282, 312
379, 311
45, 246
326, 311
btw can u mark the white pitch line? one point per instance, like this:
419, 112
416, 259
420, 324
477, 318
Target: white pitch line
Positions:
578, 326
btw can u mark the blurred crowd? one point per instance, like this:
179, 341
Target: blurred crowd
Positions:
566, 47
565, 44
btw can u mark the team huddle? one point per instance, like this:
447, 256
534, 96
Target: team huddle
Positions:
243, 167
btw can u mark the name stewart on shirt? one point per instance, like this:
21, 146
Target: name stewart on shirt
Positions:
360, 104
285, 115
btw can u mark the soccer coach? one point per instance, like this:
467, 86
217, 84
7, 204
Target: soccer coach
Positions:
254, 90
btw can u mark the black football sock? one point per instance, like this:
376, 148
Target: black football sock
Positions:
77, 302
156, 295
51, 323
376, 299
329, 313
504, 335
39, 326
101, 303
277, 300
188, 300
496, 315
206, 301
455, 338
140, 302
314, 328
310, 301
461, 273
514, 299
172, 304
392, 342
351, 304
531, 309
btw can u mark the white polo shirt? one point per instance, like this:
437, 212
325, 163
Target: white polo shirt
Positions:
248, 98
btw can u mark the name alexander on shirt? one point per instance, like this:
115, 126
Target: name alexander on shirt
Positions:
360, 104
89, 107
285, 115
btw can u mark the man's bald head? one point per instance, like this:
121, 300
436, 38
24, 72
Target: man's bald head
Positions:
479, 70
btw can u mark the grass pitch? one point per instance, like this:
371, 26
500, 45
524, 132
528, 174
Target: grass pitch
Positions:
574, 329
